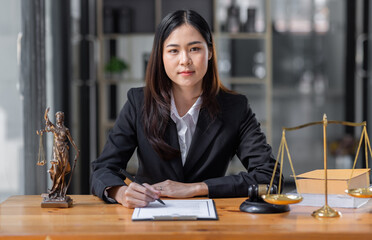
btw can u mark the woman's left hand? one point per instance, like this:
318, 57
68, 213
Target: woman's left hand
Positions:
174, 189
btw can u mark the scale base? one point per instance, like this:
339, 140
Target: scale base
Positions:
262, 207
326, 212
47, 202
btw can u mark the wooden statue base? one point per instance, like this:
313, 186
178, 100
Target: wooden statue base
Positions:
65, 202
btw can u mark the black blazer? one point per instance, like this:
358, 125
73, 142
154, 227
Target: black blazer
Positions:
214, 143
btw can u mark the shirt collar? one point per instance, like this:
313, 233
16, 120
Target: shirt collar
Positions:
193, 111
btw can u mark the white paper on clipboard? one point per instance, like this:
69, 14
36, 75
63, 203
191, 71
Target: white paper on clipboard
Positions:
190, 209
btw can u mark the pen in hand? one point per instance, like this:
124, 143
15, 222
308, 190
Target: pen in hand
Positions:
130, 177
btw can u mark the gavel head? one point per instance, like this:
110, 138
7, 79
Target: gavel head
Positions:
255, 203
255, 191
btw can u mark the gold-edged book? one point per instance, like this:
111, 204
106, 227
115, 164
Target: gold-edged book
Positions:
339, 180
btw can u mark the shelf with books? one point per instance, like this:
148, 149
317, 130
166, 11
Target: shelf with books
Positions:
132, 42
243, 36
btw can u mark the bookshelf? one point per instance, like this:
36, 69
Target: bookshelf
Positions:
132, 42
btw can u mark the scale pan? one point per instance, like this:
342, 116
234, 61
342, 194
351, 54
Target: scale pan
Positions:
282, 199
360, 192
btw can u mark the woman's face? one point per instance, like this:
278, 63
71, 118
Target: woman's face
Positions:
185, 58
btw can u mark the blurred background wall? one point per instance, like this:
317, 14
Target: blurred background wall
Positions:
295, 60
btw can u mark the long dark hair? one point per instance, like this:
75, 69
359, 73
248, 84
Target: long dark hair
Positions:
158, 85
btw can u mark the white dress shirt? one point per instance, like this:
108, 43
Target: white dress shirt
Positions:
185, 125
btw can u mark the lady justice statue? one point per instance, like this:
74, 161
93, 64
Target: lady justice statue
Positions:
60, 165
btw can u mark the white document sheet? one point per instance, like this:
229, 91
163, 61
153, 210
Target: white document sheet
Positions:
199, 209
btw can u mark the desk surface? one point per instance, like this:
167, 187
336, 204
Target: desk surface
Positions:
89, 218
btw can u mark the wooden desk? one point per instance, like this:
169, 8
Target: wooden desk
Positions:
21, 217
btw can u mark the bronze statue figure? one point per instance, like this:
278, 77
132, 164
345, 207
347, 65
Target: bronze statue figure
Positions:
60, 165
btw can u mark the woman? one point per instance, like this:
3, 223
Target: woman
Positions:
185, 125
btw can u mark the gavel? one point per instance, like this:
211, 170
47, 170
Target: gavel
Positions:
255, 203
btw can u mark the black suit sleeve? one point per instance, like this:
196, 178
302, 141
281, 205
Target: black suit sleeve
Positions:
254, 153
120, 145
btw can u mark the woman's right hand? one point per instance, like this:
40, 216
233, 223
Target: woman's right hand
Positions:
134, 195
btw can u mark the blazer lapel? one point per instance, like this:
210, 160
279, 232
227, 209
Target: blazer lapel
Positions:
171, 137
205, 131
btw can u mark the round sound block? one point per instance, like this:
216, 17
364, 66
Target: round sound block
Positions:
262, 207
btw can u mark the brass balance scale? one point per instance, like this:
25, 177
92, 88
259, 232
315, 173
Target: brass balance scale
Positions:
325, 211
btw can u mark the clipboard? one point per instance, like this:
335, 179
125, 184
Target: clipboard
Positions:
177, 210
